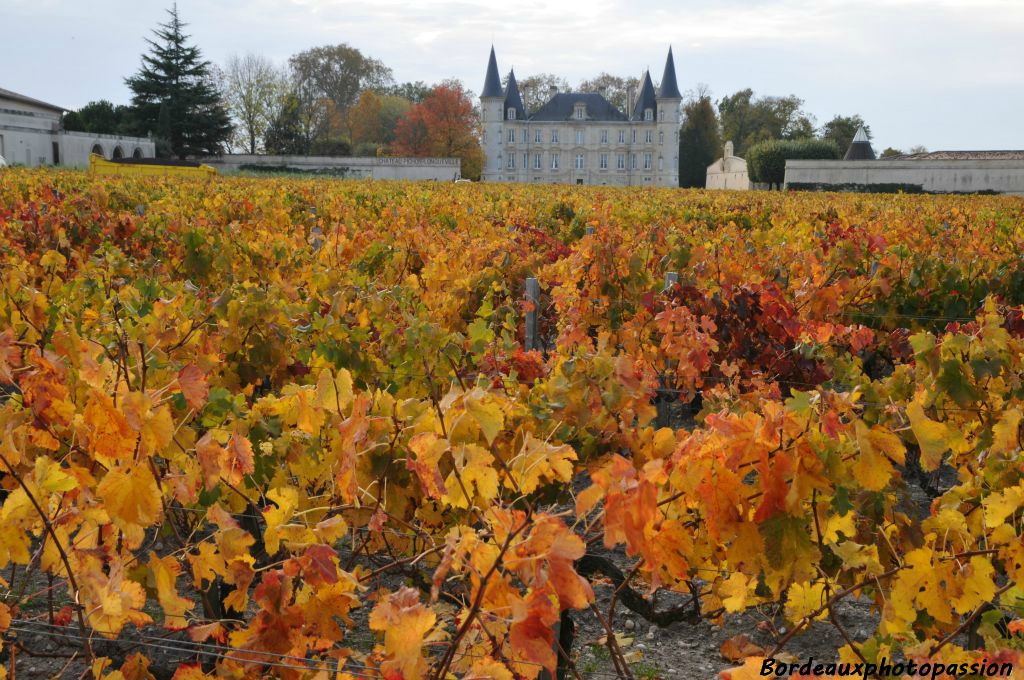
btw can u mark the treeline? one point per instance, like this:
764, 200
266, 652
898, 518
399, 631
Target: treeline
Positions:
764, 126
331, 100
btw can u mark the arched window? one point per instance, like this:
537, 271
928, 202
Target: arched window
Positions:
118, 152
511, 113
98, 150
137, 153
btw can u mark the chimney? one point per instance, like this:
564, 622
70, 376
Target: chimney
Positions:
552, 90
629, 102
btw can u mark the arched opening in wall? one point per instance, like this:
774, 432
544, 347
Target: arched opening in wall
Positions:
137, 153
118, 152
98, 150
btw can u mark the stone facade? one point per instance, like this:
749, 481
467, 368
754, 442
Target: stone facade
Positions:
728, 172
31, 134
580, 137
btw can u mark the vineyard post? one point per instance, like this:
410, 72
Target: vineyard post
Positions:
663, 400
532, 297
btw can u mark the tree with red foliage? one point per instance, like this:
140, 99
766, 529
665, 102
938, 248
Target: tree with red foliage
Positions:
444, 124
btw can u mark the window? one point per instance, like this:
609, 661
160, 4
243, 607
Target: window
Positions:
604, 161
511, 136
554, 161
525, 156
498, 165
633, 161
661, 138
536, 161
554, 136
511, 113
579, 136
661, 163
648, 114
647, 161
536, 136
511, 161
580, 112
634, 136
649, 137
620, 161
522, 138
661, 115
604, 136
579, 161
622, 136
483, 139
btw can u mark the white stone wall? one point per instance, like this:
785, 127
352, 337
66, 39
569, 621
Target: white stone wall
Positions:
76, 147
961, 176
437, 169
27, 133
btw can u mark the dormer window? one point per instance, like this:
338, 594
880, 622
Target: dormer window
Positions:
648, 114
511, 113
580, 111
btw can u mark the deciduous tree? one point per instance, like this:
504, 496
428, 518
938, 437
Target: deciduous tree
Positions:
444, 124
842, 129
254, 87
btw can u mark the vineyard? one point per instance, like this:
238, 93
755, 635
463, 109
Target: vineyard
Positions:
279, 428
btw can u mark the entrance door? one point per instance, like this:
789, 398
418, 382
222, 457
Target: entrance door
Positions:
579, 181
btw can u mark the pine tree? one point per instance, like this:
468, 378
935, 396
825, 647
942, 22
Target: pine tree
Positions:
175, 81
699, 143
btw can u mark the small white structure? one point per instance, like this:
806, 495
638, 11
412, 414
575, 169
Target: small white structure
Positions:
728, 172
31, 135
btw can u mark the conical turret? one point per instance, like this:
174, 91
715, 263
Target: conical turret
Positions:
492, 82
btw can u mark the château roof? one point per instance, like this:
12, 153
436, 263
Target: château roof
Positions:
562, 106
492, 82
669, 86
960, 156
512, 98
8, 94
647, 99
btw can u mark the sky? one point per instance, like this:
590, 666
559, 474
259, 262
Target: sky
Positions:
946, 74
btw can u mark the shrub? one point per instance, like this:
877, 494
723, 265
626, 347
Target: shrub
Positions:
766, 161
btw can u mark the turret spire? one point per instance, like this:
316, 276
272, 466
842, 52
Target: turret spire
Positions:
492, 82
669, 86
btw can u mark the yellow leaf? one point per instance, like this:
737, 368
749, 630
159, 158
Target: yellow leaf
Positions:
50, 477
334, 393
734, 592
486, 412
1000, 505
537, 460
872, 469
478, 476
130, 497
804, 599
932, 436
978, 586
405, 621
165, 573
1004, 433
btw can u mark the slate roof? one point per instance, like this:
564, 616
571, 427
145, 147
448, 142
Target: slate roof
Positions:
669, 86
647, 99
562, 106
961, 156
512, 98
7, 94
860, 149
492, 82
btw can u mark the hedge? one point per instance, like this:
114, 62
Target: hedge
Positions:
766, 161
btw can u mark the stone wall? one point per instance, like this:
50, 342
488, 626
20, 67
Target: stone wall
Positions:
437, 169
940, 176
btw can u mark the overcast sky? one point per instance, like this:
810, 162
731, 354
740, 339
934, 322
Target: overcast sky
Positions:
948, 74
